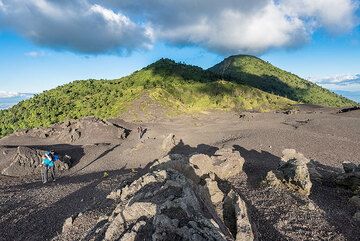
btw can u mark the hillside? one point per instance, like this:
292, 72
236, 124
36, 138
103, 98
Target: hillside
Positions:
260, 74
179, 88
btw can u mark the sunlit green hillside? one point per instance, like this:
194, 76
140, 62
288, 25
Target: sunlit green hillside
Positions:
178, 87
260, 74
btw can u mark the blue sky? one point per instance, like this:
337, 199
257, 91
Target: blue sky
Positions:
316, 43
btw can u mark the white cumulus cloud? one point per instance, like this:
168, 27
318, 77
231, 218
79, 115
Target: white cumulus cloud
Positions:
241, 26
335, 15
340, 82
8, 94
225, 27
74, 25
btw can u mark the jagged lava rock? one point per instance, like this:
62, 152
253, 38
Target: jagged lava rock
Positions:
350, 167
356, 216
293, 173
351, 178
174, 201
225, 163
356, 201
292, 154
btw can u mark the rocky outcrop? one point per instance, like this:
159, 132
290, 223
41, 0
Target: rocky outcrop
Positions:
356, 216
180, 198
293, 173
26, 161
350, 167
292, 154
225, 163
344, 110
76, 130
351, 180
355, 200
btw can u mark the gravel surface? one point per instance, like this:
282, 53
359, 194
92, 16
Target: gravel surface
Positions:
31, 210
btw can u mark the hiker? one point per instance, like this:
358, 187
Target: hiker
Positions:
48, 165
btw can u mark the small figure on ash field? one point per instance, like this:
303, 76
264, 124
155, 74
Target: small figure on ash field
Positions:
48, 164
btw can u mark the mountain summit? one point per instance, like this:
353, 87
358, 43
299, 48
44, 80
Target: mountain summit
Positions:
169, 88
255, 72
176, 88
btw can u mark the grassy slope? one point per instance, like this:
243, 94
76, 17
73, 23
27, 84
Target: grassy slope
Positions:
260, 74
183, 88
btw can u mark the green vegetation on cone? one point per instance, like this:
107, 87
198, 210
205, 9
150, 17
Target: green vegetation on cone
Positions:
178, 87
252, 71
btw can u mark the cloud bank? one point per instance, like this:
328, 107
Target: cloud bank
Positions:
224, 27
342, 82
9, 99
8, 94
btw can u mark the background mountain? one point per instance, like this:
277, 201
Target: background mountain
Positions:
178, 88
260, 74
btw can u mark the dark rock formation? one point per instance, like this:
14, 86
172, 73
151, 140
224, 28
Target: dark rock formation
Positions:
344, 110
293, 173
74, 130
179, 199
26, 161
351, 180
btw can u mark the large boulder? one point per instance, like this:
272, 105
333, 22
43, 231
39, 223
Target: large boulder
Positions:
292, 154
351, 178
355, 200
172, 202
225, 163
293, 173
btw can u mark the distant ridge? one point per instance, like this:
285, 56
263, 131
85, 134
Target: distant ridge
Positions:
255, 72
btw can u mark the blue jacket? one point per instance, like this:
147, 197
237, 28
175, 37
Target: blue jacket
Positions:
56, 157
47, 162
